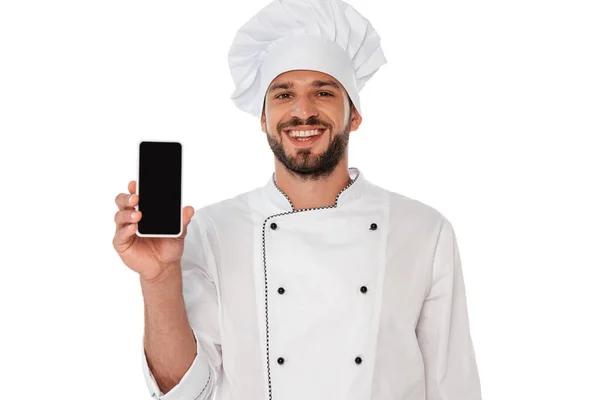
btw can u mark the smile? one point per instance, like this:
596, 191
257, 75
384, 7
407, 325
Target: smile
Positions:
304, 136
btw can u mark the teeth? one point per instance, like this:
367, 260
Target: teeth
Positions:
304, 133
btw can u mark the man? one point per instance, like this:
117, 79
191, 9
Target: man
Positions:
320, 284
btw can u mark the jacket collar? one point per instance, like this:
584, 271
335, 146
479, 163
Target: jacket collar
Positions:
350, 193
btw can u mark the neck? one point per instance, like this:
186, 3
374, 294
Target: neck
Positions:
312, 193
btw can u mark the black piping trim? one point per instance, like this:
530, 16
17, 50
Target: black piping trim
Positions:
265, 262
206, 385
315, 208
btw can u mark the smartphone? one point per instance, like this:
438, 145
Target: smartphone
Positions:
159, 184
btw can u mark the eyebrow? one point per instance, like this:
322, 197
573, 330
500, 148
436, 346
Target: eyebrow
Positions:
315, 84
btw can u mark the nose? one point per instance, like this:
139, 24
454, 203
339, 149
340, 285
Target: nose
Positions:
303, 107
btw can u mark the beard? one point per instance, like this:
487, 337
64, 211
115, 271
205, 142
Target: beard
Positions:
304, 164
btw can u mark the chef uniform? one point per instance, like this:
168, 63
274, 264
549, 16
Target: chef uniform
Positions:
361, 299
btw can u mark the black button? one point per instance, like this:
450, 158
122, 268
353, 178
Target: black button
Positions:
281, 290
273, 225
358, 360
363, 289
280, 360
373, 226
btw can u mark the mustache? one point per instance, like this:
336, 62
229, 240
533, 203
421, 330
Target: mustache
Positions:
299, 122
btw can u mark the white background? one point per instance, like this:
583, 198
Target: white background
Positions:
487, 111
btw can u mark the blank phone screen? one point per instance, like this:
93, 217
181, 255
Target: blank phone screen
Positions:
159, 188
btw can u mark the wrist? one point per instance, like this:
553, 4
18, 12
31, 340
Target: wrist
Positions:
169, 273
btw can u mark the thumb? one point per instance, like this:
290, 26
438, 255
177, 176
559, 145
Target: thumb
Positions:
188, 213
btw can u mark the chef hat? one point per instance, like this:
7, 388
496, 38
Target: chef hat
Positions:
321, 35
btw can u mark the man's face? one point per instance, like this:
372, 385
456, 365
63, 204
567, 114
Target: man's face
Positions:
308, 119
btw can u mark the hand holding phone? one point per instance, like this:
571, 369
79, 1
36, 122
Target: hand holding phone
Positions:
151, 252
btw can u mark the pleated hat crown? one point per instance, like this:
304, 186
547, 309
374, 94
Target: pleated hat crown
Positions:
328, 36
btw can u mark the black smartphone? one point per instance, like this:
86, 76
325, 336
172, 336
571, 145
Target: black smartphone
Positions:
159, 186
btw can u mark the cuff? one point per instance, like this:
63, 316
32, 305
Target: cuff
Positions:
195, 381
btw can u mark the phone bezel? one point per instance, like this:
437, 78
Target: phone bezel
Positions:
137, 189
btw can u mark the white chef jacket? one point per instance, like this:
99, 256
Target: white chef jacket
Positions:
364, 299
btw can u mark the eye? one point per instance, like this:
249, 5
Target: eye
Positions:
326, 93
282, 94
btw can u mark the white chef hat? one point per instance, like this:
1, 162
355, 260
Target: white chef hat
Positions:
328, 36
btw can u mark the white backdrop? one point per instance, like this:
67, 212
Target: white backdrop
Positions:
487, 111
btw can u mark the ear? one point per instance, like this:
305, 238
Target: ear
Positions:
356, 119
263, 122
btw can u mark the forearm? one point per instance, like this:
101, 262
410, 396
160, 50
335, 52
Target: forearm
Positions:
168, 339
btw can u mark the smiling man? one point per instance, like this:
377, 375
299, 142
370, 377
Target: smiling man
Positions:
313, 113
320, 284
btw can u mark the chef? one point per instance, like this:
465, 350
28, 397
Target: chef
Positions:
320, 284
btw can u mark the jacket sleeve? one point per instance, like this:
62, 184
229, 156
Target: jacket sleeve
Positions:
443, 329
201, 302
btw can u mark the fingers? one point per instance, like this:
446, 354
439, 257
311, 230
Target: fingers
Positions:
128, 216
131, 187
123, 235
126, 201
